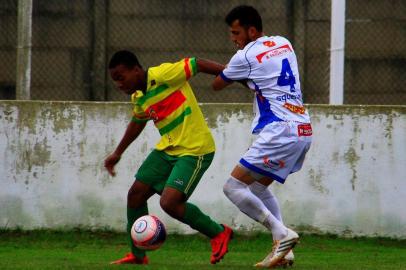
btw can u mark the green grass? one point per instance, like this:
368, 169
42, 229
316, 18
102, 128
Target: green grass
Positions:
94, 250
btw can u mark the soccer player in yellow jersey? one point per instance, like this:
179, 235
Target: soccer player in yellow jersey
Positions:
186, 149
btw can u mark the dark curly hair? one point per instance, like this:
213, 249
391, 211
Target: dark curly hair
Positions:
247, 16
125, 58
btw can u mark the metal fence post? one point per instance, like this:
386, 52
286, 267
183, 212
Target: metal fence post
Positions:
337, 52
299, 34
98, 54
23, 80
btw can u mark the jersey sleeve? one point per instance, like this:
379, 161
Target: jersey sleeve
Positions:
139, 116
177, 73
237, 69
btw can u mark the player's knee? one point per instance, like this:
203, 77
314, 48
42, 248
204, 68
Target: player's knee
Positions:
135, 198
227, 189
260, 190
233, 189
165, 204
169, 206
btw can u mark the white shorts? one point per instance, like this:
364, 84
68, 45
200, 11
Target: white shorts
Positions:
279, 150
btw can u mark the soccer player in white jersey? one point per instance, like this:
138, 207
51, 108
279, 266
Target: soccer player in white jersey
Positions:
268, 66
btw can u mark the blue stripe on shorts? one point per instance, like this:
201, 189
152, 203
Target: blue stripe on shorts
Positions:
261, 171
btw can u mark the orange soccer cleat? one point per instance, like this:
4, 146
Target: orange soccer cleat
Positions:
219, 244
131, 259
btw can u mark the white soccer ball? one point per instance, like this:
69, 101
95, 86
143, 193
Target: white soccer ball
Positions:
148, 232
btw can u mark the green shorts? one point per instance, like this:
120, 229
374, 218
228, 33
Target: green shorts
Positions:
183, 173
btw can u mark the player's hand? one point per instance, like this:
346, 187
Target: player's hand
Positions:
110, 162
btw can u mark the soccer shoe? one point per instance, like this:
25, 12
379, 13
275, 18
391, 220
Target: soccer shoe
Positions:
287, 261
279, 250
131, 259
219, 244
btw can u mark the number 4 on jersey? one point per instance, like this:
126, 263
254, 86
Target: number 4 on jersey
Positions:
286, 77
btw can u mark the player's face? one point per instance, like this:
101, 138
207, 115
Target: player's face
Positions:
127, 79
239, 35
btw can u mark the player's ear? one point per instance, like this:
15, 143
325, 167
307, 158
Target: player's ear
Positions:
137, 70
252, 32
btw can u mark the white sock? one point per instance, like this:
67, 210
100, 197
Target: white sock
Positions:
267, 197
239, 193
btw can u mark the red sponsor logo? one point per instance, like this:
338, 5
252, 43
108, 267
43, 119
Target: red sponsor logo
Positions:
272, 164
304, 130
274, 52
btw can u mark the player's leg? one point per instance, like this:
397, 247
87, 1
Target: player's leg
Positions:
137, 198
186, 174
263, 192
268, 158
238, 192
146, 184
173, 202
281, 157
184, 178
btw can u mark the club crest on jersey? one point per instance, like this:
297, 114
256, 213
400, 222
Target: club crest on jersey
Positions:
269, 43
272, 164
153, 115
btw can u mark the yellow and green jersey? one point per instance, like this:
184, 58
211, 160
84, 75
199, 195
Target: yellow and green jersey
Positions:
169, 101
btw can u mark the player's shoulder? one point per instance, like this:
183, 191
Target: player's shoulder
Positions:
162, 68
153, 72
170, 65
271, 41
280, 39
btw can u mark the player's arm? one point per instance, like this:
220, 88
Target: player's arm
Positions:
214, 68
208, 66
237, 70
133, 130
220, 83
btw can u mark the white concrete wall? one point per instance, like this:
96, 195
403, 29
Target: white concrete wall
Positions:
51, 168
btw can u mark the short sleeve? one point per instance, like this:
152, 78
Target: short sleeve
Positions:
237, 69
139, 116
177, 73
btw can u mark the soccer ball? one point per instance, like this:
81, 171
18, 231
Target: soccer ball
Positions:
148, 232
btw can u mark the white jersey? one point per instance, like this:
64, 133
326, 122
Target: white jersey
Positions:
270, 66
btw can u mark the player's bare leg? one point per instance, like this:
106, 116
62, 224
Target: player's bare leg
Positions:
174, 203
137, 198
138, 194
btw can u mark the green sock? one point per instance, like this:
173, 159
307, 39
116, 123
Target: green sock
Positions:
132, 215
201, 222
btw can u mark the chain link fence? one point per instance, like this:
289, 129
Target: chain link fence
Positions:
8, 42
375, 59
73, 40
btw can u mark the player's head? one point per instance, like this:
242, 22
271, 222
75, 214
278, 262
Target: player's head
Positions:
126, 72
245, 25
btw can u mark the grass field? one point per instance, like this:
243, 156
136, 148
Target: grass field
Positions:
94, 250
